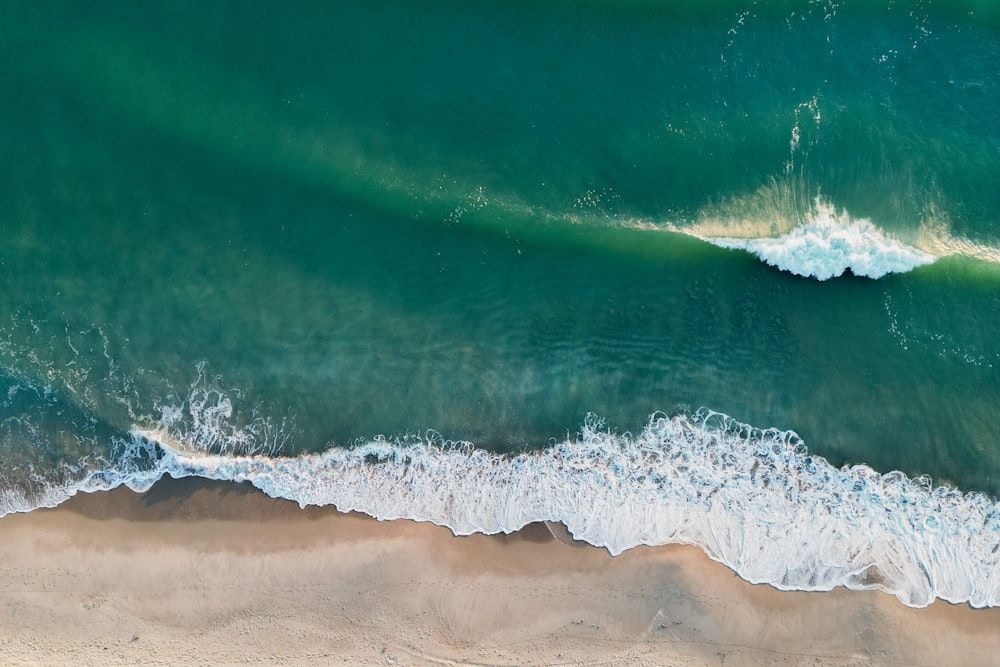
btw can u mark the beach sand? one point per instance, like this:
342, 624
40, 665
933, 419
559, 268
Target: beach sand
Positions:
202, 573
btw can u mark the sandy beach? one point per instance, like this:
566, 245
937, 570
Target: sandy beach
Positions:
199, 573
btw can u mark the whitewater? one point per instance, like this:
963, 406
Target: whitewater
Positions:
828, 244
752, 499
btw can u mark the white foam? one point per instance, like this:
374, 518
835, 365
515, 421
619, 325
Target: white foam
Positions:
751, 499
828, 244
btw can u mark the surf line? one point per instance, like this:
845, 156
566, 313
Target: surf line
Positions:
752, 499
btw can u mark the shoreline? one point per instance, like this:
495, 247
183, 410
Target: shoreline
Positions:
194, 571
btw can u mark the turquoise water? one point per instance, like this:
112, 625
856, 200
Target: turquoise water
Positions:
232, 230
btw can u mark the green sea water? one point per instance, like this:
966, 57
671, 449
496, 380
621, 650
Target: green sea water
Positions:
342, 220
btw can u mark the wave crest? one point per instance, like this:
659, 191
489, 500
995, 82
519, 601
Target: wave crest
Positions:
830, 243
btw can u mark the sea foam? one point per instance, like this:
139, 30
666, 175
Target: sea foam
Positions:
830, 243
752, 499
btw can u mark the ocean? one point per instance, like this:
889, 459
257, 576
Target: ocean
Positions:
714, 273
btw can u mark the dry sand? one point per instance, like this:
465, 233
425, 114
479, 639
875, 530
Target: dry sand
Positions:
198, 573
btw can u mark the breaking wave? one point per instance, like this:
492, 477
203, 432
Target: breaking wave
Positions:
752, 499
830, 243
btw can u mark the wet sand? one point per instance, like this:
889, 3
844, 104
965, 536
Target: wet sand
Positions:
195, 572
